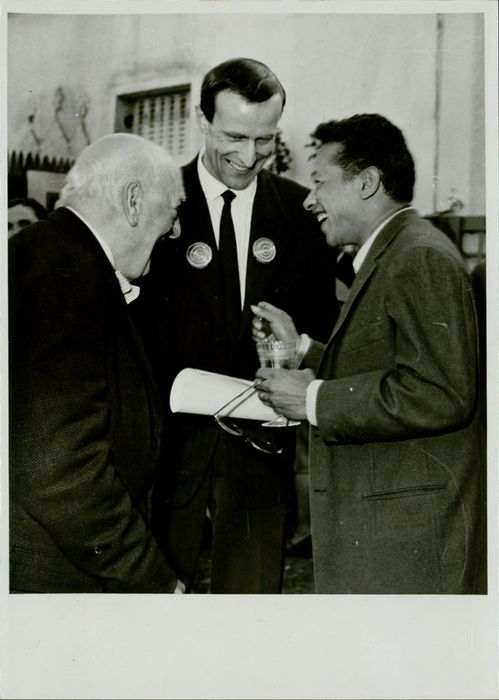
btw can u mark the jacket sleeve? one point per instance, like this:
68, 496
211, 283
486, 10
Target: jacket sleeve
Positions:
62, 463
429, 382
313, 355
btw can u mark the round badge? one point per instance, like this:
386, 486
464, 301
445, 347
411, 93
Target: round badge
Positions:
199, 255
264, 250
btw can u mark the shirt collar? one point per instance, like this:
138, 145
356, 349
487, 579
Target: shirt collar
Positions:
213, 188
129, 291
366, 246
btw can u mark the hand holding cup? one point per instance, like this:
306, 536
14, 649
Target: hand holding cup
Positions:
272, 321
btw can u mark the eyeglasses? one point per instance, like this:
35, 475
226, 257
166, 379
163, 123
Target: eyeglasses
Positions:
232, 428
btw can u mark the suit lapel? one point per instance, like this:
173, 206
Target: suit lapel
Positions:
368, 267
266, 222
359, 282
123, 319
197, 228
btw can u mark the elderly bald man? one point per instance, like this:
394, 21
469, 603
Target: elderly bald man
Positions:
85, 417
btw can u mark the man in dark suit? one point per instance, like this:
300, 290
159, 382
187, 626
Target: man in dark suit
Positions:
262, 244
396, 460
85, 414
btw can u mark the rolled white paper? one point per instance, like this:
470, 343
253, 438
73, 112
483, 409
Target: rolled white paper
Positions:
204, 393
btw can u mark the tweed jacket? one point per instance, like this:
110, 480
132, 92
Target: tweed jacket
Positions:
192, 331
396, 460
85, 421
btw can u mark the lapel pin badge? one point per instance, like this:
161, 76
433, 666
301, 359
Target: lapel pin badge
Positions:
199, 255
264, 250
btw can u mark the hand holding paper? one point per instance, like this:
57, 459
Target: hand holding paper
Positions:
287, 390
201, 392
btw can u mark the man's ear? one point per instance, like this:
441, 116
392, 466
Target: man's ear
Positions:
370, 182
131, 201
203, 123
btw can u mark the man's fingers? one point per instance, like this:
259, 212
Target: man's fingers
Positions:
266, 311
264, 398
261, 326
267, 306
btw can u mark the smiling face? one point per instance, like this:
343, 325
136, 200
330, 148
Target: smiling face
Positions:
335, 199
241, 137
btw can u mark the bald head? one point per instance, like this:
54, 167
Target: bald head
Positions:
128, 189
108, 164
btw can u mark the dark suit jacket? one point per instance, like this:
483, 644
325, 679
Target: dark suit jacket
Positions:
479, 281
396, 462
85, 421
192, 330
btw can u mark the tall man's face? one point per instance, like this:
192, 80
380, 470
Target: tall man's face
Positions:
241, 137
334, 199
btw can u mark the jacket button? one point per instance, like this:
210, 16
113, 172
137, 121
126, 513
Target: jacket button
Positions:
97, 550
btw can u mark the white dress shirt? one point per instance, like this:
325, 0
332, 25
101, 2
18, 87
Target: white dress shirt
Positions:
314, 386
241, 209
130, 291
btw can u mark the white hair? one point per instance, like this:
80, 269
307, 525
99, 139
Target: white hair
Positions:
108, 164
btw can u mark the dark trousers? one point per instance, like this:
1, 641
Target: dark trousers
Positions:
247, 545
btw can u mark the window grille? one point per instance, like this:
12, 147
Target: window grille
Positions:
162, 117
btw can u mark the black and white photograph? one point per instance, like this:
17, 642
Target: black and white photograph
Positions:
249, 356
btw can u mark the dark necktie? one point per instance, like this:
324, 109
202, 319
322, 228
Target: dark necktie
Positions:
228, 265
344, 269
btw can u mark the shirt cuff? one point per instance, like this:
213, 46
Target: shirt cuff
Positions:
302, 348
311, 401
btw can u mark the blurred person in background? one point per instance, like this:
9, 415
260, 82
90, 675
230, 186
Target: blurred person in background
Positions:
22, 212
